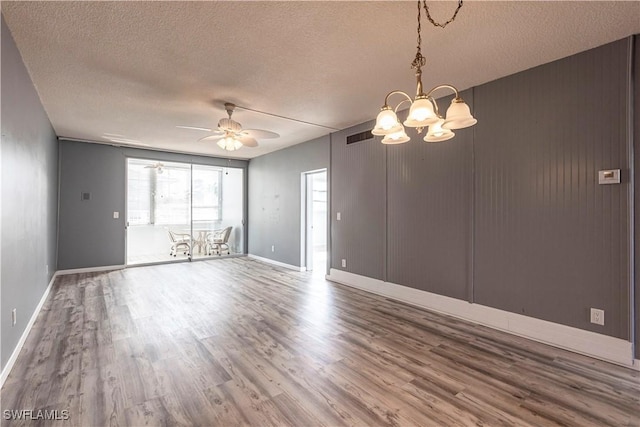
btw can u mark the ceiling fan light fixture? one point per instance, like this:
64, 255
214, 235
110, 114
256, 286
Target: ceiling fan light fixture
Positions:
229, 125
423, 111
229, 143
231, 137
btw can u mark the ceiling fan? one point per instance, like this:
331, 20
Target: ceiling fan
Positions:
230, 136
157, 166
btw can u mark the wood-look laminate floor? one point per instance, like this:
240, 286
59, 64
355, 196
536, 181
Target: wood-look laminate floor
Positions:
237, 342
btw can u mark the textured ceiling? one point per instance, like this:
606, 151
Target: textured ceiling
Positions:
136, 70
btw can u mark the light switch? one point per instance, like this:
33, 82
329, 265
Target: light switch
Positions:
338, 216
116, 215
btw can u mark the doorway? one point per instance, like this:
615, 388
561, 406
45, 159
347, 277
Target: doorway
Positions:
315, 220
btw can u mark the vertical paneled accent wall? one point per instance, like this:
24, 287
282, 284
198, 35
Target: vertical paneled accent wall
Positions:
429, 211
508, 214
549, 241
358, 192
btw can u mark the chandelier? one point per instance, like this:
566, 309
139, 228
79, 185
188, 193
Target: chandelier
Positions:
423, 111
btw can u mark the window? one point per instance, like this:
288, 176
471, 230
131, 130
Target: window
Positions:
161, 195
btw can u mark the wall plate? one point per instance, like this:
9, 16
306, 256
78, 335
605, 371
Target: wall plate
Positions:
611, 176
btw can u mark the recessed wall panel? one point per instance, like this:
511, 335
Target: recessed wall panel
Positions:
550, 242
358, 193
429, 212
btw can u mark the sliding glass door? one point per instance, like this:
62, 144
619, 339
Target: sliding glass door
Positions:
217, 205
178, 211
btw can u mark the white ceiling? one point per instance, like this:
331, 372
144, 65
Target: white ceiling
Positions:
140, 68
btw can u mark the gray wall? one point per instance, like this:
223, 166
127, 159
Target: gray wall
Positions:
430, 211
508, 214
358, 193
29, 153
274, 199
549, 241
88, 234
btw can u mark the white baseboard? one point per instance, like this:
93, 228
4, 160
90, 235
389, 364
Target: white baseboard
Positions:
25, 333
90, 269
591, 344
278, 263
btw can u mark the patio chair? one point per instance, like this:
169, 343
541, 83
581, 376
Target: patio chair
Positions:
180, 241
217, 241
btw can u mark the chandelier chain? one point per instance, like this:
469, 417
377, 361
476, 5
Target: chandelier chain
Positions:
419, 61
423, 112
437, 24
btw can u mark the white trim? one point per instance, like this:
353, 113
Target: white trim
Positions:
303, 220
278, 263
16, 351
90, 269
592, 344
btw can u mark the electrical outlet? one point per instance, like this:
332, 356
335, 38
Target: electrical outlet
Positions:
273, 248
14, 317
597, 316
344, 262
116, 215
46, 268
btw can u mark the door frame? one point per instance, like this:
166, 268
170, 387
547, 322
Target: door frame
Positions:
306, 208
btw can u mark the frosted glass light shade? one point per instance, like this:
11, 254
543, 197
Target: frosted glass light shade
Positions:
386, 122
229, 144
396, 137
458, 115
437, 134
421, 114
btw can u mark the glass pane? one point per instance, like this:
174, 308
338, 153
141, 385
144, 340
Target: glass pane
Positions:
158, 211
171, 197
217, 206
138, 194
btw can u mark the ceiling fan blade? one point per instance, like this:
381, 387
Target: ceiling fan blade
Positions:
259, 134
195, 128
247, 141
211, 138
